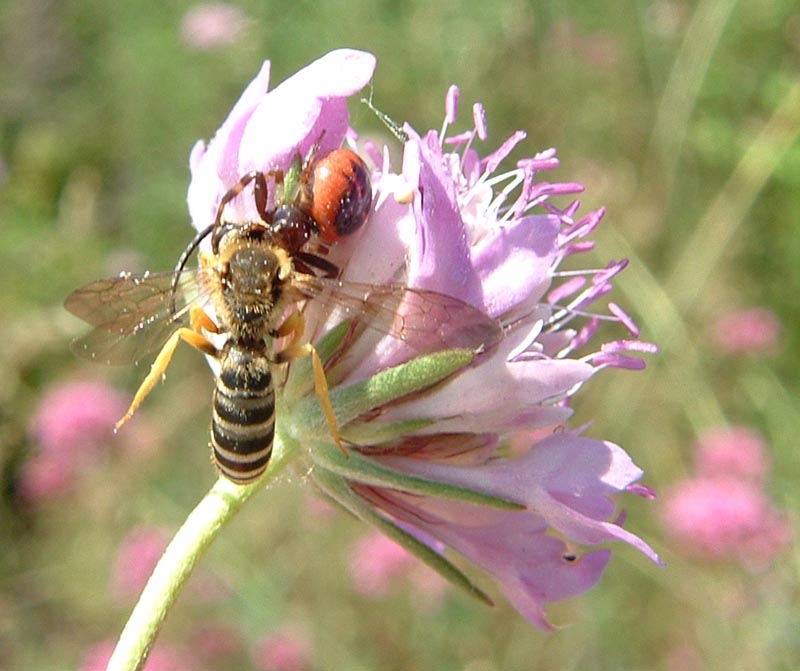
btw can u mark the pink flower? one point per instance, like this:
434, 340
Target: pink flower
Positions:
748, 331
318, 511
77, 418
44, 477
376, 563
137, 556
735, 451
215, 643
284, 650
212, 24
457, 433
70, 430
722, 511
724, 518
266, 130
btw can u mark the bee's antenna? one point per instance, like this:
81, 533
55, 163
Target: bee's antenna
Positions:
183, 259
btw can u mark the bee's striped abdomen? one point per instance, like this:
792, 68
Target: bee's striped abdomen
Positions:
243, 418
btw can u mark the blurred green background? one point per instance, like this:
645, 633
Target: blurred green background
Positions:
681, 118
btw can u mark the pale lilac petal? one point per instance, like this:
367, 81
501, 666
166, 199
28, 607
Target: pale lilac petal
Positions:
514, 262
587, 571
378, 255
498, 395
531, 567
565, 290
309, 108
338, 74
267, 130
566, 479
439, 259
216, 169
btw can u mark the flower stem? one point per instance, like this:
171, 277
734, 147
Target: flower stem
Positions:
218, 506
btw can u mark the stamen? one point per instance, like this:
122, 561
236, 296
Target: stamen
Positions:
642, 346
479, 119
624, 318
585, 334
493, 160
578, 248
457, 140
641, 490
544, 160
585, 225
566, 289
450, 108
618, 361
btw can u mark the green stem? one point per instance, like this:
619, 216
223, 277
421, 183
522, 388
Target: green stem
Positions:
174, 568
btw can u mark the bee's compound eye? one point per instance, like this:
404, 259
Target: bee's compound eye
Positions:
341, 194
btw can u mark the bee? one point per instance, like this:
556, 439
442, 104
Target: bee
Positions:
257, 280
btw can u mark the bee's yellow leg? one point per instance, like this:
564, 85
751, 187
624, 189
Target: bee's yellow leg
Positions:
293, 325
200, 320
159, 367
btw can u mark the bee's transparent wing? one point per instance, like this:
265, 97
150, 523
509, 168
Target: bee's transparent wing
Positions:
425, 320
132, 315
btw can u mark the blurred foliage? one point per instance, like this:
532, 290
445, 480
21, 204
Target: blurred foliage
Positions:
682, 118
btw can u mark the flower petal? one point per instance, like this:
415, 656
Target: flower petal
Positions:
266, 131
514, 262
439, 258
497, 395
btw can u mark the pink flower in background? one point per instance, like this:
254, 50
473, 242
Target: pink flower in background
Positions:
70, 429
457, 433
216, 644
77, 418
213, 24
376, 563
735, 451
722, 511
44, 477
747, 331
724, 518
283, 650
318, 511
137, 556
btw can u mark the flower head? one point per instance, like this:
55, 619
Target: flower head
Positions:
77, 417
212, 24
736, 451
455, 413
70, 429
722, 510
138, 554
725, 518
748, 331
283, 650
